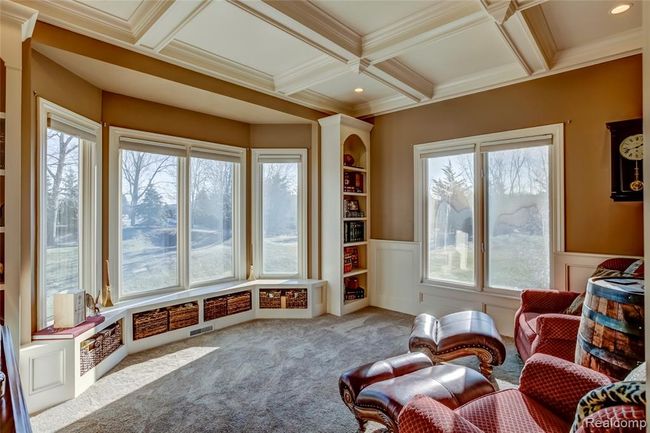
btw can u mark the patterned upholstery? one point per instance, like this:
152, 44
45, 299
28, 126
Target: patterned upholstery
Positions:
546, 401
537, 307
617, 418
544, 378
425, 415
513, 412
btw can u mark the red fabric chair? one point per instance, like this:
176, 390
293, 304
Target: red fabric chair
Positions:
540, 326
546, 400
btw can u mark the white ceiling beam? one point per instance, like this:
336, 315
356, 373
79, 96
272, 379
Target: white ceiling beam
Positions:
401, 78
313, 25
307, 23
440, 21
309, 74
164, 20
535, 24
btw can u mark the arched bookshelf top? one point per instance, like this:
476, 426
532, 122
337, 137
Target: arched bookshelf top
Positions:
355, 147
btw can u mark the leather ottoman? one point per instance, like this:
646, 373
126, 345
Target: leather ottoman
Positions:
457, 335
378, 391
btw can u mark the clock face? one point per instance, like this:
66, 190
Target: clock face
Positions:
632, 147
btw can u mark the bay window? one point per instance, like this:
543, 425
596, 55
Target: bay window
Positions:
280, 213
177, 213
489, 209
69, 159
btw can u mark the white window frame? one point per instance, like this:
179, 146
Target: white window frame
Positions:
478, 145
90, 198
260, 156
188, 148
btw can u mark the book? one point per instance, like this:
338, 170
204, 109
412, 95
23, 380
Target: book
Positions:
52, 333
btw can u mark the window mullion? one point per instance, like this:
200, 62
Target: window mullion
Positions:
481, 215
184, 222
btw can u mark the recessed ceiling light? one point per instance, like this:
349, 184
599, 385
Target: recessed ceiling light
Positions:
358, 90
624, 7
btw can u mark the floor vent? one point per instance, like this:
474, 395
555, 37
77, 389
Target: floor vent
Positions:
200, 331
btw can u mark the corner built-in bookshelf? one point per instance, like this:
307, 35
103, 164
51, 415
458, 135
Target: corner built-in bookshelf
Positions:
345, 226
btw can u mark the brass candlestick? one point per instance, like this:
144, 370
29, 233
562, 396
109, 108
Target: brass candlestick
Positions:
106, 291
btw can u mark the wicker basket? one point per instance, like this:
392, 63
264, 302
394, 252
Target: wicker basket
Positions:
296, 298
239, 302
150, 323
182, 316
91, 353
270, 298
213, 308
112, 339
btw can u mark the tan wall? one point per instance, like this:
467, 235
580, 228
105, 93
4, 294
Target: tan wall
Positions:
584, 99
280, 136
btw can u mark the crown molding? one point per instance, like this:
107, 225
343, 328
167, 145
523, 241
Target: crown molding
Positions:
382, 105
610, 48
531, 39
321, 102
147, 18
439, 21
12, 13
500, 10
218, 66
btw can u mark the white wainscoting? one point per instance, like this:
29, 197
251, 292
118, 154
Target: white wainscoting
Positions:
395, 281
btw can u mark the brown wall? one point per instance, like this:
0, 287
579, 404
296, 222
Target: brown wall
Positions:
584, 99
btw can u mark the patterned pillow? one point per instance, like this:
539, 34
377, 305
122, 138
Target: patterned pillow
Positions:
615, 394
575, 309
638, 374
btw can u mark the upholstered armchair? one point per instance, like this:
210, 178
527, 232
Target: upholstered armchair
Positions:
546, 401
542, 326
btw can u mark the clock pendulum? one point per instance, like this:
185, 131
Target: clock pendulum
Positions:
631, 148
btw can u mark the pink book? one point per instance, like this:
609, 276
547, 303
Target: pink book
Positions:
52, 333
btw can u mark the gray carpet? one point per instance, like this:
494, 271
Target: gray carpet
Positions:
260, 376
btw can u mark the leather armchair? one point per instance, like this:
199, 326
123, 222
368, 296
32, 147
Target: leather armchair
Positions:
546, 401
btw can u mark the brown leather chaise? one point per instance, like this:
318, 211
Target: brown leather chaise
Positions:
457, 335
378, 391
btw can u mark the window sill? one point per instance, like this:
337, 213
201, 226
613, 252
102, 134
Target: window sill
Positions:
513, 294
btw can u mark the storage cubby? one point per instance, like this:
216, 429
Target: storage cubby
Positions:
283, 298
93, 350
225, 305
161, 320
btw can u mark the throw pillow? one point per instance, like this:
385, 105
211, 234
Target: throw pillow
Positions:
637, 374
575, 309
615, 394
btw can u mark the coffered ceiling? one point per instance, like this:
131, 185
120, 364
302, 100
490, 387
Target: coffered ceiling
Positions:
400, 52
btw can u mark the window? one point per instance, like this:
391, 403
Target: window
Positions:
490, 209
69, 213
280, 213
178, 222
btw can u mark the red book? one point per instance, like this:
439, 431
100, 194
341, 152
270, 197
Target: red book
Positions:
52, 333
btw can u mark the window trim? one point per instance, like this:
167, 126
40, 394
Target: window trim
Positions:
258, 157
90, 199
184, 148
478, 145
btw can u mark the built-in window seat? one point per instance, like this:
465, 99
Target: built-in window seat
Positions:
60, 369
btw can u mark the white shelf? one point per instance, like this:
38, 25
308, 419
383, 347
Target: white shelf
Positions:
356, 219
355, 244
354, 272
356, 169
358, 194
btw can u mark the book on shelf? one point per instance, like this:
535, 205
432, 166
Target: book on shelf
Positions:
352, 294
352, 209
350, 259
353, 231
352, 182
